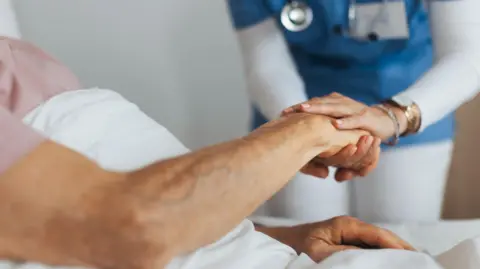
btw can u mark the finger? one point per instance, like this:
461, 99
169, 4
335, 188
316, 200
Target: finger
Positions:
344, 174
329, 99
287, 111
357, 233
355, 161
293, 109
403, 243
363, 147
316, 170
354, 122
374, 156
322, 252
301, 106
339, 110
333, 98
341, 157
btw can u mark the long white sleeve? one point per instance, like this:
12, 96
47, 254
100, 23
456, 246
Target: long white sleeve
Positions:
272, 78
455, 77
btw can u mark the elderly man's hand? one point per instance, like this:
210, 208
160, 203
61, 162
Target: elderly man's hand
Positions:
322, 239
353, 160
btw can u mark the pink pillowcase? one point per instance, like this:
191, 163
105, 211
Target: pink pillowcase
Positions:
28, 77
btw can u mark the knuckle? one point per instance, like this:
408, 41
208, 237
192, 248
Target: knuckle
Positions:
344, 221
382, 234
335, 94
364, 112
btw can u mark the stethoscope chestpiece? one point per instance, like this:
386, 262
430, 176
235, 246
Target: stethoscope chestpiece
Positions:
372, 37
296, 16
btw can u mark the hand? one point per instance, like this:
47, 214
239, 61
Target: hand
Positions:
351, 161
360, 159
354, 151
351, 114
322, 239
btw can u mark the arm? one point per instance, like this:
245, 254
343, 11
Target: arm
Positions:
148, 214
273, 82
455, 77
16, 139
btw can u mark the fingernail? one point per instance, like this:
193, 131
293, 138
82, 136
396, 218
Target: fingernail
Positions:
339, 122
305, 105
368, 140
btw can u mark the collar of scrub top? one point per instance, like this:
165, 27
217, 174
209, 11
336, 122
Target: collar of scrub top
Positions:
297, 16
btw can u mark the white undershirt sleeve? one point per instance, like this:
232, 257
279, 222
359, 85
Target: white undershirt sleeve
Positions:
272, 79
455, 77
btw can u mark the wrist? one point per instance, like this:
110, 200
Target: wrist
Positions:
308, 134
284, 235
410, 113
401, 117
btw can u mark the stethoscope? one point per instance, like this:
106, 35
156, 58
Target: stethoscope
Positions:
297, 16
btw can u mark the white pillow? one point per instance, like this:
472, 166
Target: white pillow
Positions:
8, 20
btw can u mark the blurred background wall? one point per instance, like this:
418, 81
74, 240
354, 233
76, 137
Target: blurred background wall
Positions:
463, 190
178, 60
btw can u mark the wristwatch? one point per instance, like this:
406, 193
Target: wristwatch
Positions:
412, 113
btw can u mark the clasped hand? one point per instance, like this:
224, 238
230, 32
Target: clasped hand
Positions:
348, 114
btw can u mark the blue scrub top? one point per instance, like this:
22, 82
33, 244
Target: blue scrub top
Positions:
367, 71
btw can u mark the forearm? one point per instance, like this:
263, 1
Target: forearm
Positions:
228, 181
58, 190
273, 82
44, 197
455, 77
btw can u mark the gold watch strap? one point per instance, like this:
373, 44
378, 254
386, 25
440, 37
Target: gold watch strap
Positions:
413, 115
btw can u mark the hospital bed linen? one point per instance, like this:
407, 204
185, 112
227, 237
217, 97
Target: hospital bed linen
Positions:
114, 132
434, 238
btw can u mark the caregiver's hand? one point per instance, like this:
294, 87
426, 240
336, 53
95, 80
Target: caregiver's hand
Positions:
352, 160
322, 239
351, 114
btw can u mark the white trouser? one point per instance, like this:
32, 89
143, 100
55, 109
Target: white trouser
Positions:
408, 185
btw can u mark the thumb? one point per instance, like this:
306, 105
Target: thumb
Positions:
315, 169
339, 248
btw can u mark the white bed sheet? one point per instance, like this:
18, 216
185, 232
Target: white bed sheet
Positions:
434, 238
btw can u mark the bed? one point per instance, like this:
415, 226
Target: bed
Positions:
93, 122
433, 238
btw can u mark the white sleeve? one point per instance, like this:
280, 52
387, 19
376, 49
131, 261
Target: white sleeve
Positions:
272, 79
455, 77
